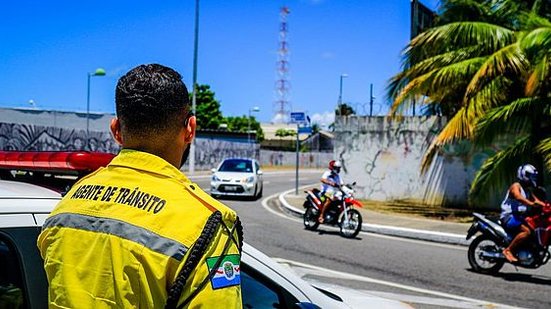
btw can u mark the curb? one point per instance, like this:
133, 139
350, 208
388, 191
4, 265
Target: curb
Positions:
439, 237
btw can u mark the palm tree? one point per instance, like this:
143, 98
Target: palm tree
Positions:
484, 65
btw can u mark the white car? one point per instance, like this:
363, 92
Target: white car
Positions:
237, 177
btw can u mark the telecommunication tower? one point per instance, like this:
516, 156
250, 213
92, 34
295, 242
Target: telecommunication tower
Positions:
282, 105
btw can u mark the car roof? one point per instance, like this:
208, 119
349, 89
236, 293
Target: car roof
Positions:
244, 159
20, 197
17, 189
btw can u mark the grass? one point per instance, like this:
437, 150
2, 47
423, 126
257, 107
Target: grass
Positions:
414, 208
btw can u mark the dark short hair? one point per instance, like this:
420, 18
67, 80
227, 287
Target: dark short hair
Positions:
150, 99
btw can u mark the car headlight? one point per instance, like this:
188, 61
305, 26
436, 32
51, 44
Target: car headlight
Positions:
249, 179
215, 178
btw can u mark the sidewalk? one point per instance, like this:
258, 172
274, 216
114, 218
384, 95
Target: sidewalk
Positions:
394, 225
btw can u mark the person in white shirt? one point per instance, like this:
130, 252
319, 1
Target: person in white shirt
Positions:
330, 180
515, 205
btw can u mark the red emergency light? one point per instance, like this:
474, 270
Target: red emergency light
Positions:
54, 161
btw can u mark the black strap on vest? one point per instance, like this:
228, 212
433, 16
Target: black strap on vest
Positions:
197, 251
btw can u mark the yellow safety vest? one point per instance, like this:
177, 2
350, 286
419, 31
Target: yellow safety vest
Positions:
120, 236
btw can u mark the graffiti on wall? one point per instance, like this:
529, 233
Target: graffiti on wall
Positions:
210, 152
26, 137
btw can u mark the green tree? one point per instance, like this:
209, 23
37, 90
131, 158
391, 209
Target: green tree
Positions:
285, 132
208, 111
241, 124
316, 128
486, 66
344, 110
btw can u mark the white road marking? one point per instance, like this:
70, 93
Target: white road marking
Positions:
416, 241
324, 272
408, 240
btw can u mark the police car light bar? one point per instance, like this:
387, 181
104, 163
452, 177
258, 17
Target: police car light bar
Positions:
55, 161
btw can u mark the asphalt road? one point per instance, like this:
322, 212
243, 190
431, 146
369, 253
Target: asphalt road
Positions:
424, 274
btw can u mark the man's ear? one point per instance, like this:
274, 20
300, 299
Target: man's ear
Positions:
190, 129
115, 127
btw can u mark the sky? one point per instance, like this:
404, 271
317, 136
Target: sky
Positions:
49, 47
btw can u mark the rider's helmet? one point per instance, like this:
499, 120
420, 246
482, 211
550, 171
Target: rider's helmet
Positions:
527, 173
335, 166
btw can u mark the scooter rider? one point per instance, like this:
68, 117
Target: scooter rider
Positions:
515, 205
329, 181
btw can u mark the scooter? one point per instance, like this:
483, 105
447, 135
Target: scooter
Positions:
485, 251
341, 212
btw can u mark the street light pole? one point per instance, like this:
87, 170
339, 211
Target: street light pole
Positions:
254, 109
194, 94
371, 100
340, 94
98, 72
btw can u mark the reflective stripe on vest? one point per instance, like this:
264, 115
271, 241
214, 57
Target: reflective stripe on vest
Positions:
125, 230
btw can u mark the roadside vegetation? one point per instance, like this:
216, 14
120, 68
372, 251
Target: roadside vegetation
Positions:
486, 66
209, 115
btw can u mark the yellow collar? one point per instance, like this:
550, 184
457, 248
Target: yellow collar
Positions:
136, 159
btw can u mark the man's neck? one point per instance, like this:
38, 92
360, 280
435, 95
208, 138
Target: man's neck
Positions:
167, 154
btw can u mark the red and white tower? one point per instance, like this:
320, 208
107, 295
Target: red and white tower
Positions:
282, 106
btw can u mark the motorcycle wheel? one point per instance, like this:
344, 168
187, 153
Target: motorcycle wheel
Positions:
478, 263
354, 225
310, 219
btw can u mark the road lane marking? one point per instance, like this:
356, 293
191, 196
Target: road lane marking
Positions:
329, 273
408, 240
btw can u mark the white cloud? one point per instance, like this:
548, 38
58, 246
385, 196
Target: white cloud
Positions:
323, 119
280, 118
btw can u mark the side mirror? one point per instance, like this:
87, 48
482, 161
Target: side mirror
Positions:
213, 170
259, 172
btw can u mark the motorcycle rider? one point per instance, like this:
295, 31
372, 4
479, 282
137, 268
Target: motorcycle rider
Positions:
515, 205
329, 181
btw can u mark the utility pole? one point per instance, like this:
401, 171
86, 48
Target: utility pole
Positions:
296, 174
194, 96
370, 100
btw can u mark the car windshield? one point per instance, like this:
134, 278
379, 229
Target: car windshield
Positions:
236, 165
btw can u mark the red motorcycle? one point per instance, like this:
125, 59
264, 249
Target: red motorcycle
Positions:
485, 252
341, 212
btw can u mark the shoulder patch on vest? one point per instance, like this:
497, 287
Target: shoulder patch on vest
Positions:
228, 273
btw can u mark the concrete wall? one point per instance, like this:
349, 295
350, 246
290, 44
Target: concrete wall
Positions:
383, 155
25, 137
56, 119
29, 137
288, 159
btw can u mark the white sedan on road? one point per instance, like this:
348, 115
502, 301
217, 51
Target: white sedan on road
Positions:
237, 177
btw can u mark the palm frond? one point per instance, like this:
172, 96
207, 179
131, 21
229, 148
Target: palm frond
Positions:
496, 172
439, 80
544, 148
459, 127
495, 93
400, 80
437, 40
539, 77
512, 118
508, 60
536, 41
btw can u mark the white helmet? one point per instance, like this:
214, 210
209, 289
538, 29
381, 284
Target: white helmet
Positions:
335, 166
527, 173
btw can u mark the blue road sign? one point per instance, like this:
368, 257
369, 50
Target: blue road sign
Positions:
298, 117
307, 130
